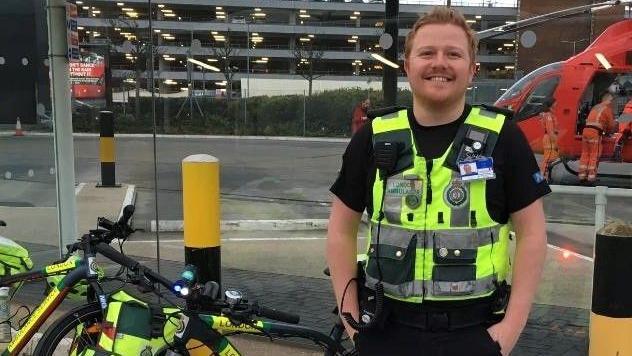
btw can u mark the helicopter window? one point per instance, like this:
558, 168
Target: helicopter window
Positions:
534, 103
520, 85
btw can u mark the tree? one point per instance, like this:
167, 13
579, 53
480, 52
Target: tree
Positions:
225, 54
137, 49
308, 59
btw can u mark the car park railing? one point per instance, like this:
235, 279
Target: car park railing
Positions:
601, 194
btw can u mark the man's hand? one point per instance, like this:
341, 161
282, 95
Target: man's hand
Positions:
506, 335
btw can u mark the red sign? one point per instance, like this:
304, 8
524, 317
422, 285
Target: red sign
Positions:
87, 77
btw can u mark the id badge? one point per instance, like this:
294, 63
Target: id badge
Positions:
481, 168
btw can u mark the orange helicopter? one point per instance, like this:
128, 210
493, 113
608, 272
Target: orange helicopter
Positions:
576, 84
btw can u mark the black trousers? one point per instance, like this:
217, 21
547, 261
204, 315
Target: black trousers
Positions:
400, 340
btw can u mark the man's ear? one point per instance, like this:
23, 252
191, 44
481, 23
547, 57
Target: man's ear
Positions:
473, 72
405, 66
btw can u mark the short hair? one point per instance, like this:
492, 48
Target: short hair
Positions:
443, 15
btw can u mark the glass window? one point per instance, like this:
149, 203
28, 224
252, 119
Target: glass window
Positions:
520, 85
534, 103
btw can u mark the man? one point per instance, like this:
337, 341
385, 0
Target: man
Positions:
427, 224
625, 131
359, 117
600, 122
549, 139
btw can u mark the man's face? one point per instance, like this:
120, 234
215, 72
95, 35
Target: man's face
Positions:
439, 66
366, 104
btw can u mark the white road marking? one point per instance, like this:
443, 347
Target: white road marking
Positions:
79, 187
130, 196
238, 239
571, 253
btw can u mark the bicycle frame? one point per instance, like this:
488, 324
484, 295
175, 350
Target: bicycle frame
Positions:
74, 269
211, 335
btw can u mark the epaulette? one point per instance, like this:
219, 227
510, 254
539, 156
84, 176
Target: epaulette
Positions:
504, 111
380, 112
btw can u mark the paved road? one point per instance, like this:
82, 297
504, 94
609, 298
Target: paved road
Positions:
259, 178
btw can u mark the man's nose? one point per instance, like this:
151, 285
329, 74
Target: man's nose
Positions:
439, 60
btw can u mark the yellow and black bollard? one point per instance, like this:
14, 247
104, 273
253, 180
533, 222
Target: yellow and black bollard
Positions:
200, 204
107, 151
611, 313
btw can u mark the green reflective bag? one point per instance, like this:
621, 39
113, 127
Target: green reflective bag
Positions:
91, 351
14, 259
134, 327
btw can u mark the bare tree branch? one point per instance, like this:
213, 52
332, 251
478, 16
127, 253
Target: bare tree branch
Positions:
308, 59
225, 54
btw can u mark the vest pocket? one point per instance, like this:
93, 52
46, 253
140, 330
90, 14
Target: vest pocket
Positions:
455, 247
454, 255
396, 263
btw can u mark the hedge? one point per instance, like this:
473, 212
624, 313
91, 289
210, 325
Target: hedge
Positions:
326, 114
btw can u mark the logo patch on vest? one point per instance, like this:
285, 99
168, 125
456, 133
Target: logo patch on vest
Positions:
410, 189
456, 195
146, 351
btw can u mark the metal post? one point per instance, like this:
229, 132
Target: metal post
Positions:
600, 207
389, 82
203, 81
107, 150
201, 211
247, 72
304, 111
190, 74
62, 124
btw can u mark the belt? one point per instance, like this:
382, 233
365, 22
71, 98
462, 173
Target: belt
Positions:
449, 319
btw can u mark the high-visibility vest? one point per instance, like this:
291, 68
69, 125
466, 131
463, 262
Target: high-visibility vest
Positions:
437, 239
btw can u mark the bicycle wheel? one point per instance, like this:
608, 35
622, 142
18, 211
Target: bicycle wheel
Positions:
75, 330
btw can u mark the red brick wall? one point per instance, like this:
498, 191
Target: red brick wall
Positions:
549, 46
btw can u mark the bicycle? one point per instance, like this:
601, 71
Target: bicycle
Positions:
207, 328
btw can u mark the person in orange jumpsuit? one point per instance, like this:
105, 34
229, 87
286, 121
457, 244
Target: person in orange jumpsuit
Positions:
359, 116
625, 131
549, 140
600, 122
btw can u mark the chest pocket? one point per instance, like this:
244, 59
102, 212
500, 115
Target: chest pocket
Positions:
402, 193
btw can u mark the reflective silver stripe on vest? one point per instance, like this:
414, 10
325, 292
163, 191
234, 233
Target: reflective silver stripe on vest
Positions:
452, 289
448, 238
437, 289
459, 216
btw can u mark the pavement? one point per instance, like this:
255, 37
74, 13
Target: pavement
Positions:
284, 268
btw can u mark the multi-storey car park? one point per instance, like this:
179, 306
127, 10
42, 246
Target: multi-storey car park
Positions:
262, 39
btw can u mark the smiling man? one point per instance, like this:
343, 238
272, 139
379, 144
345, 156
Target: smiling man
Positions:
442, 183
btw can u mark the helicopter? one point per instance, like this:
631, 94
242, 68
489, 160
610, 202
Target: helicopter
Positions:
576, 84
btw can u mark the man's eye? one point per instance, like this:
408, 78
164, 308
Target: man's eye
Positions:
454, 55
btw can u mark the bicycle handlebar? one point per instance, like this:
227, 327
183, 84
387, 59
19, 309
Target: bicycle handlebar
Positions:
133, 265
100, 239
274, 314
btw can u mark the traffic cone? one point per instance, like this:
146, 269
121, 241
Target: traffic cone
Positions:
18, 128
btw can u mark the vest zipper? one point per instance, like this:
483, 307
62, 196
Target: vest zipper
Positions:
428, 183
425, 237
